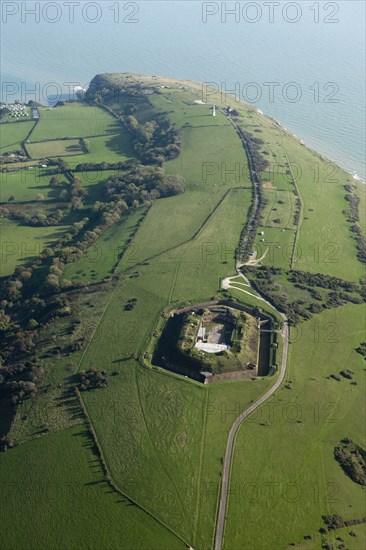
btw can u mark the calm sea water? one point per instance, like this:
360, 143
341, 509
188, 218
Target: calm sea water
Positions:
309, 75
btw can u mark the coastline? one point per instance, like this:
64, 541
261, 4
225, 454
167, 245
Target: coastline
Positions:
51, 102
324, 157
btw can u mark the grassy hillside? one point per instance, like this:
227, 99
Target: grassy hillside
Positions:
20, 244
163, 436
59, 483
74, 120
284, 463
12, 134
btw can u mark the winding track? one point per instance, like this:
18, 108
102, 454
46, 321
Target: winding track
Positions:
220, 522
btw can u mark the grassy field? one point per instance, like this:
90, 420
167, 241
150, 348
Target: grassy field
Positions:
107, 139
184, 111
107, 148
54, 148
280, 209
165, 279
11, 135
291, 452
57, 480
74, 120
164, 436
101, 259
206, 185
25, 186
323, 243
213, 157
20, 244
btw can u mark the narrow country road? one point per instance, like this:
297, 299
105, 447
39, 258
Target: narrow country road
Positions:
220, 523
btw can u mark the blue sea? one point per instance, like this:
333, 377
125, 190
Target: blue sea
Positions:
300, 62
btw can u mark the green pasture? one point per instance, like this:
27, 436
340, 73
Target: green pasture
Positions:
57, 481
163, 436
283, 463
74, 120
54, 148
12, 135
101, 258
213, 157
181, 274
20, 244
25, 186
183, 111
321, 185
280, 209
108, 148
276, 244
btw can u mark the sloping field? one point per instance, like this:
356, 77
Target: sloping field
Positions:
25, 185
181, 274
57, 480
11, 135
107, 148
163, 436
101, 259
323, 243
20, 244
54, 148
74, 120
283, 464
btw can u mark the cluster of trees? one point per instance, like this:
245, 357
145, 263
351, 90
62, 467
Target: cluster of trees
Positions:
347, 373
154, 141
361, 243
101, 166
21, 371
100, 91
92, 379
322, 281
353, 204
297, 211
56, 181
130, 304
353, 216
339, 291
257, 163
262, 279
85, 145
352, 459
52, 259
335, 521
77, 194
338, 298
253, 144
142, 185
20, 381
53, 281
34, 218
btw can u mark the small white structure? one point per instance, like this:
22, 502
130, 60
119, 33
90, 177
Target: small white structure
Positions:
211, 348
214, 110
